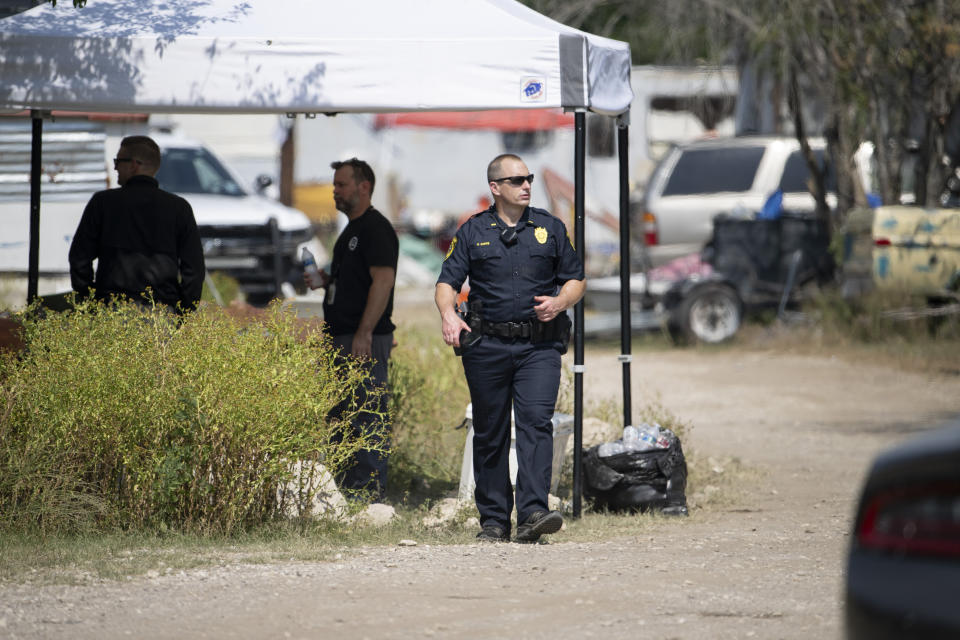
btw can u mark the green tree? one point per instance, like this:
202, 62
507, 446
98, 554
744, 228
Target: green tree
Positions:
882, 70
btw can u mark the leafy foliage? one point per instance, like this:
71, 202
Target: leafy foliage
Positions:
120, 417
428, 397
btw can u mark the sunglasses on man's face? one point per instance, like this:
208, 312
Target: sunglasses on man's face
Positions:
118, 161
516, 181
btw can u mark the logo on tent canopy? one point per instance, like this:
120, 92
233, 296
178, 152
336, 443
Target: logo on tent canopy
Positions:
533, 90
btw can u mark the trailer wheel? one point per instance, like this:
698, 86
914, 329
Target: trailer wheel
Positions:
711, 313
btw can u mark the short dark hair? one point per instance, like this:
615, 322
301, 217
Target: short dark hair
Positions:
494, 166
144, 149
361, 171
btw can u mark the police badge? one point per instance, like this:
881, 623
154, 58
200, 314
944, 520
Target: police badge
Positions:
540, 234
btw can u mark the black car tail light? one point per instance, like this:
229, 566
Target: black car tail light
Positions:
921, 520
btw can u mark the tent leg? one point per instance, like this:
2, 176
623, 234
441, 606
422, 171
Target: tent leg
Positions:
36, 144
625, 321
579, 241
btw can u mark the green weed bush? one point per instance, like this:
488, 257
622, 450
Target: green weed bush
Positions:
119, 417
428, 398
224, 289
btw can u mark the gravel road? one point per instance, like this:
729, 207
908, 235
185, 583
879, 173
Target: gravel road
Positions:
768, 566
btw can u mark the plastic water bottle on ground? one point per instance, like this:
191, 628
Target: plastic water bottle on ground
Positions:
663, 442
608, 449
647, 435
310, 268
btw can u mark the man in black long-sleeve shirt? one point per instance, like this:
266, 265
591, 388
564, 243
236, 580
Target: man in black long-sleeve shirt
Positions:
142, 236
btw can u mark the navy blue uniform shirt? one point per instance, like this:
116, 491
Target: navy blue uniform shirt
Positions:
505, 279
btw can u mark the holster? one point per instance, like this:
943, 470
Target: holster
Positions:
469, 313
557, 330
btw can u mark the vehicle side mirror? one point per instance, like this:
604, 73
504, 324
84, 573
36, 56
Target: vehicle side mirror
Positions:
263, 181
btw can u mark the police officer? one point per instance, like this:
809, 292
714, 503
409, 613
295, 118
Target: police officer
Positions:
524, 274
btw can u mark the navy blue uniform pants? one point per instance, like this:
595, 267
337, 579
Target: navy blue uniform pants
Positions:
505, 373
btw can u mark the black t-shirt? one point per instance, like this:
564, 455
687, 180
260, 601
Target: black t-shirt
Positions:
367, 241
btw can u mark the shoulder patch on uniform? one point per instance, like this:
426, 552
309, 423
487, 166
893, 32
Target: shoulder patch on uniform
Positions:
570, 241
453, 243
540, 233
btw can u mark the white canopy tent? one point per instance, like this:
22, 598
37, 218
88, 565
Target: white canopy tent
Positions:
243, 56
316, 56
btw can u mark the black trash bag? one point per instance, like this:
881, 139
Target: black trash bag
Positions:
637, 481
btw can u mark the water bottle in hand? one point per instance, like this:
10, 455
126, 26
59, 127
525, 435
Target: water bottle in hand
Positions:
310, 269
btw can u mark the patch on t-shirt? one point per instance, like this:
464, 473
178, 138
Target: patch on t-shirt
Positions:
353, 243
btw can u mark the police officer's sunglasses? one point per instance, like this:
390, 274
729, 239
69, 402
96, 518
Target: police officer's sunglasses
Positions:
516, 181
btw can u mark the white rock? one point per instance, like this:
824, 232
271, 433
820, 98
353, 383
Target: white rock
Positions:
595, 431
376, 515
407, 543
443, 512
311, 492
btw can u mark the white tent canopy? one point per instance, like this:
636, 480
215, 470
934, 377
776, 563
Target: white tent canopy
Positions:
248, 56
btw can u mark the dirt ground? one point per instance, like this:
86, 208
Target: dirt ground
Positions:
768, 566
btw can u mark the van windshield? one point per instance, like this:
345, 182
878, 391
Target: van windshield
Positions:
714, 171
195, 171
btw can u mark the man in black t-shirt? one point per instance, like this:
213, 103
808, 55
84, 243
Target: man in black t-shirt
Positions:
358, 305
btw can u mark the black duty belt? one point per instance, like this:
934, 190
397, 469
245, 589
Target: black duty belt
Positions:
506, 329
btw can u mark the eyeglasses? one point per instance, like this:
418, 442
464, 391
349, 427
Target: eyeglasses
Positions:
117, 161
516, 181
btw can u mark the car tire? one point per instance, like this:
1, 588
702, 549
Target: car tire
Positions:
711, 314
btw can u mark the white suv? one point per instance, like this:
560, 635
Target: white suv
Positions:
695, 182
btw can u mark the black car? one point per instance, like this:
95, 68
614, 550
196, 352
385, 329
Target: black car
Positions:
903, 571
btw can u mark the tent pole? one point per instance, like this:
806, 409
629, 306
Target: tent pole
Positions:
578, 368
625, 322
33, 265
